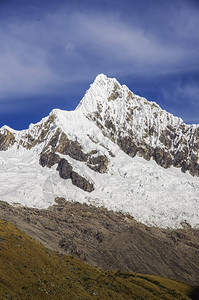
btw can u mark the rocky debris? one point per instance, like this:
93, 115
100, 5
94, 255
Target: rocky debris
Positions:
66, 172
110, 240
70, 247
60, 200
7, 139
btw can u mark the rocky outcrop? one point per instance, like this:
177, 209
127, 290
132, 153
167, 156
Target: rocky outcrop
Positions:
7, 139
71, 148
166, 154
60, 143
81, 182
115, 93
64, 169
127, 145
37, 133
66, 172
49, 159
98, 163
162, 157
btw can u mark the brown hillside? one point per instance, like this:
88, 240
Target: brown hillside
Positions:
30, 271
110, 240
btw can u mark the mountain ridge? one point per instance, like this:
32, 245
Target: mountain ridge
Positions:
98, 152
141, 128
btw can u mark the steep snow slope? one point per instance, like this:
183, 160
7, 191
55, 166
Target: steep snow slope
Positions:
90, 157
141, 127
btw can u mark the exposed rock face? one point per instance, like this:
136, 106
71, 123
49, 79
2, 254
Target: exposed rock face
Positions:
37, 133
116, 93
60, 143
127, 145
109, 116
166, 151
71, 148
66, 172
49, 159
74, 150
162, 158
64, 169
98, 163
110, 240
81, 182
7, 139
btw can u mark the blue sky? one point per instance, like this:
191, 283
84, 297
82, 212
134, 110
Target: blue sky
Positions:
50, 52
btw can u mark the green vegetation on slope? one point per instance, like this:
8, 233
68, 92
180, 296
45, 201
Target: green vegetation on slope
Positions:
30, 271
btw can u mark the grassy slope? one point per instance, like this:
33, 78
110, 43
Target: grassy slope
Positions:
30, 271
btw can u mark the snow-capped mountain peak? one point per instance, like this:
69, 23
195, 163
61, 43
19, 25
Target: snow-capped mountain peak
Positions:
98, 94
116, 149
139, 126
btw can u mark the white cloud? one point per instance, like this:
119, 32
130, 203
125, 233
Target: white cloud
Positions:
189, 92
128, 44
186, 93
18, 76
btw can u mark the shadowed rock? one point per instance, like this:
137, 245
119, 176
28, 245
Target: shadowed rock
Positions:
66, 172
81, 182
64, 169
49, 159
